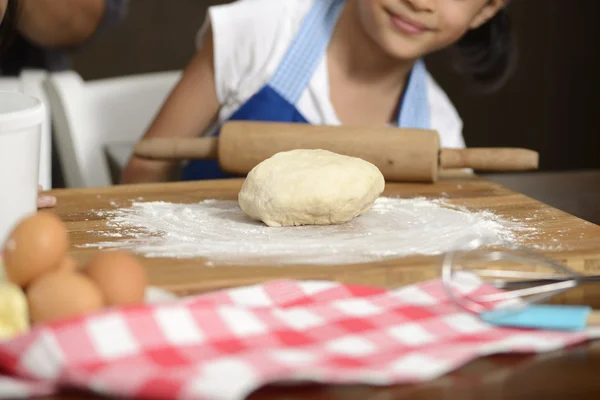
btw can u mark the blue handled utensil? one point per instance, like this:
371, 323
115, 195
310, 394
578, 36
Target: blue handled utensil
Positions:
526, 279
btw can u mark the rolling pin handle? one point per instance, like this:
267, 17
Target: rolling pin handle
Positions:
179, 149
490, 159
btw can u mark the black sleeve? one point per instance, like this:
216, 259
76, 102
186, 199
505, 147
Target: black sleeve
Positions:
115, 12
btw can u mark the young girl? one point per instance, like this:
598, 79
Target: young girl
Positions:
351, 62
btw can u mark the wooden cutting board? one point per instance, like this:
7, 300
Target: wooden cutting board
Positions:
566, 238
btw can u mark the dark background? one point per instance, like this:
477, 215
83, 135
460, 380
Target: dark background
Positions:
550, 105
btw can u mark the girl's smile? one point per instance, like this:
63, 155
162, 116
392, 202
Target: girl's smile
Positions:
407, 25
409, 29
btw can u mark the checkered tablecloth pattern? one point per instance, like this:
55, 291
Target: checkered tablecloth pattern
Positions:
226, 344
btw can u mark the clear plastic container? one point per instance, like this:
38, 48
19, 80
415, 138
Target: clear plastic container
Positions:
21, 118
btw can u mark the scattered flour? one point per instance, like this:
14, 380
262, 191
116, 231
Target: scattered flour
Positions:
218, 230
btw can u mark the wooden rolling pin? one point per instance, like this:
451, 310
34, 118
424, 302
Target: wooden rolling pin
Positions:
410, 155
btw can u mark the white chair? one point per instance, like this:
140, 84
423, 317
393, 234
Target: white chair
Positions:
90, 115
30, 82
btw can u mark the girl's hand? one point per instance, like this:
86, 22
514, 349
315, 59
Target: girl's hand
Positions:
44, 201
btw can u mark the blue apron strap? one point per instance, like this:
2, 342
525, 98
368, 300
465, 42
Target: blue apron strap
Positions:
414, 108
306, 51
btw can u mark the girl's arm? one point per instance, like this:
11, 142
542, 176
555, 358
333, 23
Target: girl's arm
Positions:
188, 111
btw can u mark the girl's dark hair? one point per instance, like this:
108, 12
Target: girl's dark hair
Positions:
8, 27
487, 55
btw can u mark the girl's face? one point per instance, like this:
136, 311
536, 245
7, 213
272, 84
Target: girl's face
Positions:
410, 29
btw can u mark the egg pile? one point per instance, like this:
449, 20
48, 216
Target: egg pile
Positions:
53, 285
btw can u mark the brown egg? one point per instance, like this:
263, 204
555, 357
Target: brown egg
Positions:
36, 245
59, 295
67, 264
120, 276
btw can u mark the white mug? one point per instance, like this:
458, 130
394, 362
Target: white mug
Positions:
21, 118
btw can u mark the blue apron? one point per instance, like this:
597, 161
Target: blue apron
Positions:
276, 101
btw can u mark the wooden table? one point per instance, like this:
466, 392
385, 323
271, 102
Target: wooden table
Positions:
572, 372
576, 192
578, 240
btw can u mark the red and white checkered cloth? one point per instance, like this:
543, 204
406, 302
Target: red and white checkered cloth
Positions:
226, 344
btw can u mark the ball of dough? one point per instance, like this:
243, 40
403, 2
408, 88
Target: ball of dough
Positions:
310, 187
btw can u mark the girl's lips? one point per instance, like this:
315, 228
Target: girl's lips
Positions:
407, 26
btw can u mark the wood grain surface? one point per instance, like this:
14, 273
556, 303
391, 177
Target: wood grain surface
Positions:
562, 236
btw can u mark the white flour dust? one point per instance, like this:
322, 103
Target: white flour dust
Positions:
218, 230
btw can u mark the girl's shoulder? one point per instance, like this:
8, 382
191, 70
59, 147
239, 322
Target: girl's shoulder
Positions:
250, 38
